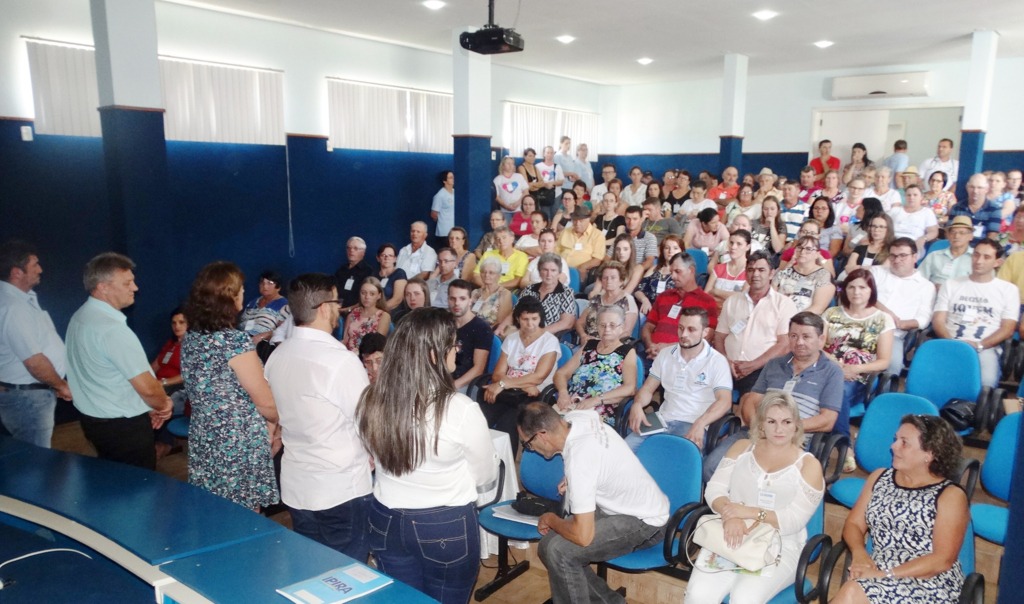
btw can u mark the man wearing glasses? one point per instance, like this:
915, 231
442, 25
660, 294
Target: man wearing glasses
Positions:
316, 381
986, 216
446, 263
607, 174
616, 507
905, 294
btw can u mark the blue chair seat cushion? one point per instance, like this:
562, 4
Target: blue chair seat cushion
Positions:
990, 522
787, 595
644, 559
516, 531
179, 427
847, 490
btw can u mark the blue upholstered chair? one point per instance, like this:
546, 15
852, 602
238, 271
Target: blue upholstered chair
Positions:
930, 377
991, 521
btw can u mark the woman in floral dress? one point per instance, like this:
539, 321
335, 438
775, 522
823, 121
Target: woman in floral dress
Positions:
370, 315
233, 434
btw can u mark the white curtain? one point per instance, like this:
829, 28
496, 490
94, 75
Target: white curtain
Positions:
64, 89
388, 118
203, 102
535, 127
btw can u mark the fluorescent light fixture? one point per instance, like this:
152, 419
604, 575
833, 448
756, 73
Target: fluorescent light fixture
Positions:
434, 4
823, 43
904, 81
764, 15
565, 39
645, 61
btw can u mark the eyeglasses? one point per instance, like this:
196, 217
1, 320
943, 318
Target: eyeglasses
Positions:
603, 326
528, 444
900, 256
807, 249
338, 302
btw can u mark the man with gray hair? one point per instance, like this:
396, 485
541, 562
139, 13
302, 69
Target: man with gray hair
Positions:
350, 275
986, 216
417, 259
316, 381
32, 355
113, 385
447, 261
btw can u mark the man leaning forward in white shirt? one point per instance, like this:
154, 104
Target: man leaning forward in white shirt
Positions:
616, 507
316, 381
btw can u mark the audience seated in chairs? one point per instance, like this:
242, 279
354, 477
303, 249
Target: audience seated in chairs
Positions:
530, 244
233, 434
445, 273
352, 273
474, 335
623, 253
522, 221
917, 518
371, 353
874, 249
370, 315
262, 315
392, 279
953, 261
904, 294
613, 277
526, 366
458, 241
706, 232
807, 283
417, 294
770, 231
558, 300
914, 220
602, 373
729, 277
546, 244
608, 221
491, 301
658, 279
616, 507
661, 329
432, 451
809, 228
417, 259
771, 479
512, 263
582, 246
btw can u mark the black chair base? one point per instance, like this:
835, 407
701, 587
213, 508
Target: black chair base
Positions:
505, 575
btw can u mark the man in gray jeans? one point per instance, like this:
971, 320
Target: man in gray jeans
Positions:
616, 507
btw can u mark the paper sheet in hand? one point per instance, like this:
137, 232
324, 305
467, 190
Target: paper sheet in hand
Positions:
337, 586
506, 512
657, 424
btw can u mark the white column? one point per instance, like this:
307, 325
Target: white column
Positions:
127, 69
471, 84
979, 83
734, 95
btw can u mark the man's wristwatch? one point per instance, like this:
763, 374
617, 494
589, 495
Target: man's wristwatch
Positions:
980, 346
163, 381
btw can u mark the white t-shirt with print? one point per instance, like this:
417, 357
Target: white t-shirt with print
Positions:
689, 206
549, 172
522, 360
602, 472
690, 387
511, 189
889, 199
975, 311
914, 225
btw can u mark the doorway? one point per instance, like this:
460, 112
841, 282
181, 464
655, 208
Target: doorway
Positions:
878, 129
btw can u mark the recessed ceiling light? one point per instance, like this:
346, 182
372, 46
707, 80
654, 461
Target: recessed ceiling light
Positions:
904, 81
823, 43
434, 4
764, 15
645, 61
565, 39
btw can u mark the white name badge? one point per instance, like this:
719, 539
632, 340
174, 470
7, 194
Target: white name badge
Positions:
349, 284
249, 325
766, 501
661, 287
477, 305
578, 247
680, 381
504, 268
674, 311
946, 270
167, 357
384, 282
706, 250
737, 327
523, 226
868, 261
790, 385
970, 314
979, 231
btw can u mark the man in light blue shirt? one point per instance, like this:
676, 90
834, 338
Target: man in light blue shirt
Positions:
442, 210
113, 385
898, 161
32, 355
567, 162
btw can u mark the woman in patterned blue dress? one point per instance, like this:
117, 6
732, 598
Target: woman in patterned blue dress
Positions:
917, 518
233, 434
602, 373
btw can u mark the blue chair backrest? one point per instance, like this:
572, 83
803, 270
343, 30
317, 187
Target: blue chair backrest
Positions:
581, 307
638, 326
492, 361
675, 464
997, 470
566, 355
700, 259
639, 372
938, 244
1020, 389
541, 476
816, 525
879, 426
930, 374
574, 280
515, 300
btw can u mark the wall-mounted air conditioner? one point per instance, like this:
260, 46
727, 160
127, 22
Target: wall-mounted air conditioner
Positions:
883, 85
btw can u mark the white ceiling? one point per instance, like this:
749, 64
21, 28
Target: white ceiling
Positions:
685, 40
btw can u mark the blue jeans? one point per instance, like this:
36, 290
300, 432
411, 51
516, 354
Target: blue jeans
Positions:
28, 414
342, 528
433, 550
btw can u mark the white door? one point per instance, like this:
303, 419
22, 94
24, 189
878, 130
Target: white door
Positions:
897, 131
844, 128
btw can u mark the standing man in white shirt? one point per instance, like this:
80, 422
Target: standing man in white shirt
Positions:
616, 507
905, 294
944, 162
417, 259
32, 355
316, 381
564, 160
584, 170
979, 309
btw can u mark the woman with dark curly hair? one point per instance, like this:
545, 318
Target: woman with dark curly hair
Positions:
233, 435
917, 517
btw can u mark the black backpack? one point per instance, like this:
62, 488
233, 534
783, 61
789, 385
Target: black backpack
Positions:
959, 413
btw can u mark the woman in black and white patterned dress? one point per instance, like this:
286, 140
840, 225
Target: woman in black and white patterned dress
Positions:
917, 519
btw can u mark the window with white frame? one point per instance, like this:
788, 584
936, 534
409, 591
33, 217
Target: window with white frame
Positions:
388, 118
203, 102
535, 127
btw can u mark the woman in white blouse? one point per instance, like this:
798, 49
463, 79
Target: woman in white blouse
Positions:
635, 193
511, 187
772, 471
432, 450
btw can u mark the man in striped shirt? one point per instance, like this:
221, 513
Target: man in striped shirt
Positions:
794, 212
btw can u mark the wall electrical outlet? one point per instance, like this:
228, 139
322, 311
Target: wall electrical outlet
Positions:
330, 147
26, 133
494, 155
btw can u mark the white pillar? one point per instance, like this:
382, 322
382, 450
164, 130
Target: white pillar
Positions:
734, 95
979, 83
471, 85
127, 69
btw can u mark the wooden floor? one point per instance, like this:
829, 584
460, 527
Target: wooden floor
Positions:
532, 587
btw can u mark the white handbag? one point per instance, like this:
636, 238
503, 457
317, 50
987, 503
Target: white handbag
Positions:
761, 547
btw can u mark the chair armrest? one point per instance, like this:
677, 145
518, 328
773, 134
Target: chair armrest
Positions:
809, 554
981, 409
828, 566
728, 423
972, 468
885, 384
993, 410
834, 442
477, 385
816, 443
686, 531
621, 416
549, 395
973, 591
501, 486
675, 529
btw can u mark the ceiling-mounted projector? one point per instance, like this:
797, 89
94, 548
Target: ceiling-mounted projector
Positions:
491, 39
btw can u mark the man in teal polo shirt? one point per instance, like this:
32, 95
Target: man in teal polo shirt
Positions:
111, 380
